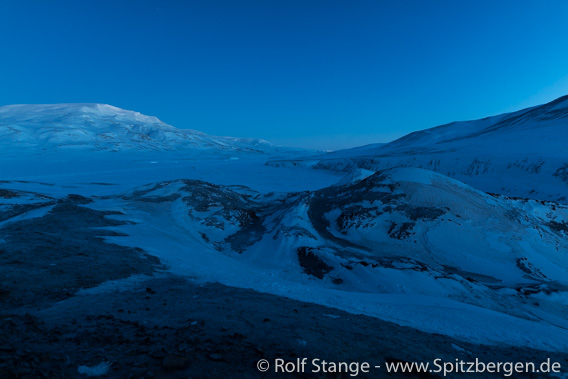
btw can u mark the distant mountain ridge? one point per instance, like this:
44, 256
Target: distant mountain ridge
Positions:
102, 127
553, 115
521, 153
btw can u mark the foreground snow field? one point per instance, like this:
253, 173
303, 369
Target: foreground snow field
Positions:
131, 198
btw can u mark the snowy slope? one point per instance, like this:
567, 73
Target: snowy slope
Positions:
517, 154
406, 245
100, 127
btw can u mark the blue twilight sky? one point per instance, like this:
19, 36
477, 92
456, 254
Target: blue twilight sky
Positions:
323, 74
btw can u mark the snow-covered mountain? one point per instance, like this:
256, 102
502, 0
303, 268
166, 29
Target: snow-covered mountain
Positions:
410, 245
102, 127
522, 153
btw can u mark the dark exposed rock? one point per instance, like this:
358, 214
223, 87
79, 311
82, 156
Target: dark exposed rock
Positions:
562, 173
40, 256
174, 362
311, 263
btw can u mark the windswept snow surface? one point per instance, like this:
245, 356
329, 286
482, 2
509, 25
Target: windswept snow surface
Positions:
520, 154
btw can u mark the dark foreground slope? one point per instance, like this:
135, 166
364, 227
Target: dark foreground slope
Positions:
168, 327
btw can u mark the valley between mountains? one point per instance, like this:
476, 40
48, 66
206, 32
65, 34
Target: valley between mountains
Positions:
138, 249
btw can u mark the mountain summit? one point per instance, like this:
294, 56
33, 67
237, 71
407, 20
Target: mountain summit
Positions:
105, 128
